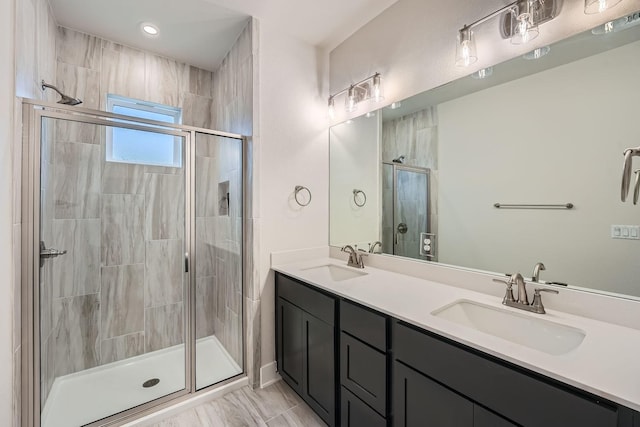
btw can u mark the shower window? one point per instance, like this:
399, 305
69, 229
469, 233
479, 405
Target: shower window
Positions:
126, 146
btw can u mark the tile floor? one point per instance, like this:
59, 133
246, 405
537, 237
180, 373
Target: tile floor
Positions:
273, 406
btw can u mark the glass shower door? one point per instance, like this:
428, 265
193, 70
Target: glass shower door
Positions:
218, 258
112, 284
410, 210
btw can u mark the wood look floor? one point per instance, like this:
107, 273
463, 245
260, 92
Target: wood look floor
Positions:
273, 406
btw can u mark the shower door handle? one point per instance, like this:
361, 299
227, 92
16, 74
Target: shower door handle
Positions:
49, 253
186, 262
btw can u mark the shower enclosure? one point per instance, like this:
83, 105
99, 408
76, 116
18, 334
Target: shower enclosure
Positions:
405, 212
132, 272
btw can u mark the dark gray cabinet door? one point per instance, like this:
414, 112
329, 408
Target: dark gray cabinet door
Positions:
355, 413
290, 344
319, 380
421, 402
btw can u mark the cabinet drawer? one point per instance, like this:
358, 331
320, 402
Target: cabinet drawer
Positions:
363, 370
518, 396
364, 324
310, 300
355, 413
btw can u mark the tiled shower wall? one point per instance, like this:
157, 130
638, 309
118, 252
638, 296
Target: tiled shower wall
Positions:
414, 136
35, 41
114, 294
233, 112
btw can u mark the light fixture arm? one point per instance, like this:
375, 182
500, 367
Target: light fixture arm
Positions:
374, 80
510, 6
346, 89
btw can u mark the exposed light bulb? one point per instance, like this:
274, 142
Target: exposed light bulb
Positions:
332, 108
466, 53
377, 88
466, 48
602, 6
524, 29
351, 104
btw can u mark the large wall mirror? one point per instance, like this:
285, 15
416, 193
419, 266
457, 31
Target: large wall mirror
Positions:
542, 136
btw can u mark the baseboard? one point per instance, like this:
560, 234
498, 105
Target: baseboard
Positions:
269, 374
180, 407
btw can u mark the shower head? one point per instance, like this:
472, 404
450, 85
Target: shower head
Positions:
66, 99
398, 160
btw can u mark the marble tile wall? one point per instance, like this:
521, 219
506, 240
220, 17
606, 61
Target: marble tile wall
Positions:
414, 136
94, 300
233, 111
35, 30
118, 292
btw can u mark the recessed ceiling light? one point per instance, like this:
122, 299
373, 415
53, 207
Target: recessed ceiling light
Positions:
150, 29
395, 105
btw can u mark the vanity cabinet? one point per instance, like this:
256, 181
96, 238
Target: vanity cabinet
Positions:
441, 380
306, 344
364, 364
357, 367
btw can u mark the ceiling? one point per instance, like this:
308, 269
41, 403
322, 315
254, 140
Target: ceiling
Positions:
201, 32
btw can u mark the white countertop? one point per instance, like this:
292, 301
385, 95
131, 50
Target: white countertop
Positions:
605, 363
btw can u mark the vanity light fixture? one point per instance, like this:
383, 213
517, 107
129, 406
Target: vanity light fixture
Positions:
149, 29
524, 28
466, 48
369, 88
520, 24
332, 107
598, 6
377, 88
351, 103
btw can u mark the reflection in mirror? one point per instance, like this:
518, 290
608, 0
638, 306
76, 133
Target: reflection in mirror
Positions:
546, 129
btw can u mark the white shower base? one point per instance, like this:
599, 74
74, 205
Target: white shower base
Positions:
83, 397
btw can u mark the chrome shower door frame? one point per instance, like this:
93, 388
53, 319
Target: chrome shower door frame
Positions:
398, 167
33, 113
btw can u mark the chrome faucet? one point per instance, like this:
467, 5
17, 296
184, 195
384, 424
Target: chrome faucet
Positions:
523, 301
355, 258
376, 244
536, 272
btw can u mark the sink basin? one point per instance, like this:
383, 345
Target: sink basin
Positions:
527, 330
336, 272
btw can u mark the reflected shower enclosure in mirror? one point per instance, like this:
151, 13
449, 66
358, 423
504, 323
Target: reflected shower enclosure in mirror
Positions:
547, 130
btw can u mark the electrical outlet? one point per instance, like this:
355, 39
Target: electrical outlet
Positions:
625, 232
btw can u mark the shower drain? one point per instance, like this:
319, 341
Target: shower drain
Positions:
150, 383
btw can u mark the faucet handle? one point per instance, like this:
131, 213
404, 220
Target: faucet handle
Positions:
508, 295
537, 291
536, 305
